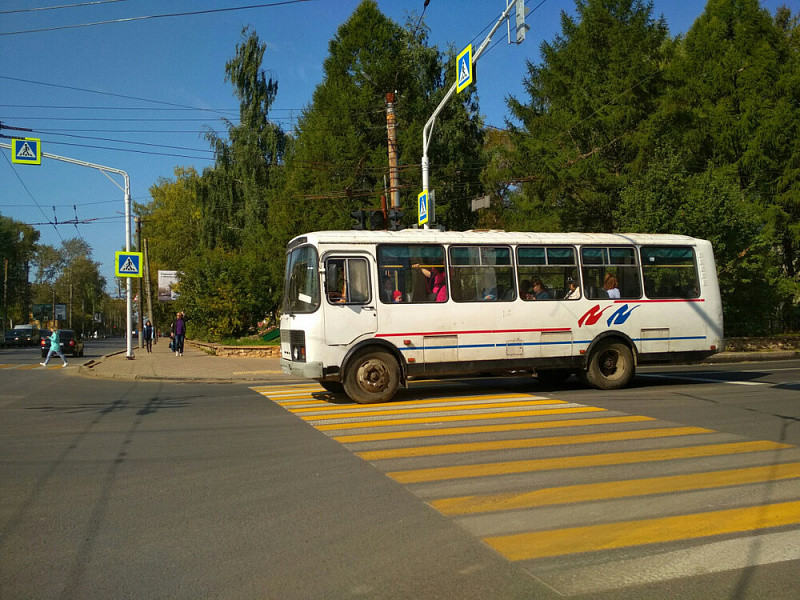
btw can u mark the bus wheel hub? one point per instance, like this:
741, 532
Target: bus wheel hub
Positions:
373, 375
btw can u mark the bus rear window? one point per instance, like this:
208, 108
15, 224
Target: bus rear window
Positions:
301, 285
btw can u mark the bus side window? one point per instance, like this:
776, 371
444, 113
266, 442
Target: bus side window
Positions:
412, 273
670, 272
347, 281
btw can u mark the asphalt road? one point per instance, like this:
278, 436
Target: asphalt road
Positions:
684, 484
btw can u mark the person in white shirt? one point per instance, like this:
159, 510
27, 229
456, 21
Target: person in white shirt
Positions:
574, 290
611, 286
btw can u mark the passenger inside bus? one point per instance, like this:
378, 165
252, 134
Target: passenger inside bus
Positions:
538, 291
574, 291
436, 282
611, 286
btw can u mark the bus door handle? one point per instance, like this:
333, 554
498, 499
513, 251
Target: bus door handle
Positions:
371, 308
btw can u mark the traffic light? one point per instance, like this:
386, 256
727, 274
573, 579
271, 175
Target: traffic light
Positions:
377, 221
395, 219
361, 219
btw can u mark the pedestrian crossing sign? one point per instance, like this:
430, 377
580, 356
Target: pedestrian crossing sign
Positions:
26, 151
128, 264
422, 207
464, 68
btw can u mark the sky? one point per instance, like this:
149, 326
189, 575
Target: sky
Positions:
136, 94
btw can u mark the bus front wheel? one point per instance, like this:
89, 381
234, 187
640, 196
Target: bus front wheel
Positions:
334, 387
372, 377
610, 366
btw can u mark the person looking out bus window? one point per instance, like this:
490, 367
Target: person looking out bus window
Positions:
437, 286
611, 286
574, 290
539, 291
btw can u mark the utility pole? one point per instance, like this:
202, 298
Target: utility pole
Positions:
138, 222
5, 293
391, 122
148, 288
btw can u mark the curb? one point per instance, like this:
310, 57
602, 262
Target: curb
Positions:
734, 357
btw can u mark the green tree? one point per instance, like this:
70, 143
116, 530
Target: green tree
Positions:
17, 251
578, 142
234, 193
339, 161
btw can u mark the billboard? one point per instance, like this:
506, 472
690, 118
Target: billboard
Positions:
45, 311
167, 281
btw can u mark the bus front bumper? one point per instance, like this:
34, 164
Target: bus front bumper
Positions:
308, 370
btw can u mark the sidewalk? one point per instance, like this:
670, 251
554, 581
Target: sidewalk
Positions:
194, 365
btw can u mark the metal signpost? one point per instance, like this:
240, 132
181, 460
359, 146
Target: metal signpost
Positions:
464, 78
17, 148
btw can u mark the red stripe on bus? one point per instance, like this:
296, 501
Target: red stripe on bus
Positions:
665, 300
469, 332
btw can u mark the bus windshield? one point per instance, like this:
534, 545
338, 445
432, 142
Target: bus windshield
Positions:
301, 289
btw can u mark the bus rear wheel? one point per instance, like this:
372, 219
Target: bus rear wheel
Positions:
610, 366
372, 377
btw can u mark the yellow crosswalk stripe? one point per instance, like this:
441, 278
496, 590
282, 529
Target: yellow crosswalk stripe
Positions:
454, 401
574, 462
588, 438
570, 494
415, 433
558, 542
462, 417
427, 409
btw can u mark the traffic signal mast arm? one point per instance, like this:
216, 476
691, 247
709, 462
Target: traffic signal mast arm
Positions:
428, 129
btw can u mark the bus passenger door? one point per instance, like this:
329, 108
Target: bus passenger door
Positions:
350, 306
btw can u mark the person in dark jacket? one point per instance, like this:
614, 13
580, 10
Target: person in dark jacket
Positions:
178, 333
147, 334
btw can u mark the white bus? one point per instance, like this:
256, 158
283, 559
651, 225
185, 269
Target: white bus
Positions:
363, 312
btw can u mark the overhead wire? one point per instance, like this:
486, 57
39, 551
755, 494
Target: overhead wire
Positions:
148, 17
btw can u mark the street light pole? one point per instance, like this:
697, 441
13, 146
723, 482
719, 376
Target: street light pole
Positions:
427, 131
127, 191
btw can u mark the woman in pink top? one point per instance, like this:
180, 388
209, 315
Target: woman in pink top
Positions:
437, 284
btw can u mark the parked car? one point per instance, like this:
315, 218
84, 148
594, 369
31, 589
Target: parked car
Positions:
71, 343
11, 338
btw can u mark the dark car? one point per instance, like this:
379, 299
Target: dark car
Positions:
11, 338
71, 343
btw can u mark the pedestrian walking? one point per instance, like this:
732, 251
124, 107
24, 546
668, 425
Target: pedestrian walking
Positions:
55, 346
178, 333
148, 335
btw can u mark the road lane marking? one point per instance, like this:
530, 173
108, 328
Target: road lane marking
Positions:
723, 555
460, 417
570, 494
700, 379
574, 462
591, 538
420, 433
515, 444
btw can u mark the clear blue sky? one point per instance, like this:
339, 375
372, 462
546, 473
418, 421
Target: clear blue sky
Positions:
146, 69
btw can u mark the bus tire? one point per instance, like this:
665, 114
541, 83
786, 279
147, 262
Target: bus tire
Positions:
610, 366
372, 377
334, 387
